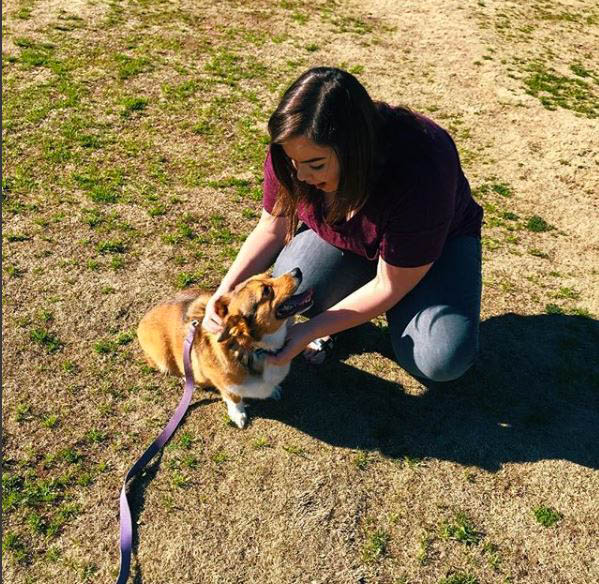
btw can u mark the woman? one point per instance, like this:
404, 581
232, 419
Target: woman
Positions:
388, 226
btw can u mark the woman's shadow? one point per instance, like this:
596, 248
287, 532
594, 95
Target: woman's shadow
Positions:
533, 394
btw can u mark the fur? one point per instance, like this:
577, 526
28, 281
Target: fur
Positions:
228, 360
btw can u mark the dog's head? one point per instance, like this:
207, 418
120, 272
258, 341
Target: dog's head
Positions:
260, 305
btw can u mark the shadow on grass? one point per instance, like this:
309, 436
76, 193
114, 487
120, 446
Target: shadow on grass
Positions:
532, 395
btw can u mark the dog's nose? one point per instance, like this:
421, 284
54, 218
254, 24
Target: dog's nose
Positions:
296, 273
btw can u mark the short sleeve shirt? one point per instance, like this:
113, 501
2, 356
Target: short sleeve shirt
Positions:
405, 226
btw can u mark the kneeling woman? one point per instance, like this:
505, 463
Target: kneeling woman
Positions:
386, 223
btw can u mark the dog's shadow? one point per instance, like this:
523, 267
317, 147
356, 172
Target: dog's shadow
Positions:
533, 394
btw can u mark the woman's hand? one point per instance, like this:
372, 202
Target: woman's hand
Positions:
212, 322
298, 337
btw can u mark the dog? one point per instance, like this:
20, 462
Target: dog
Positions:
255, 317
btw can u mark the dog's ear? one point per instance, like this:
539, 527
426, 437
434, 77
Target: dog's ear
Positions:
225, 335
235, 327
221, 306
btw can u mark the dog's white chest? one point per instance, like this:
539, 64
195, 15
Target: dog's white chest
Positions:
274, 374
263, 386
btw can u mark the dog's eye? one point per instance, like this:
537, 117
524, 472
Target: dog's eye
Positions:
267, 292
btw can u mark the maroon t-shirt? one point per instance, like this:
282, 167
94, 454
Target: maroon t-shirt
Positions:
419, 200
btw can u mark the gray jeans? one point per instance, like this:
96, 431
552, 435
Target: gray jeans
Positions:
434, 328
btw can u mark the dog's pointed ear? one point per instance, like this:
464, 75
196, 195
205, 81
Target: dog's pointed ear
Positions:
225, 335
235, 326
230, 328
221, 306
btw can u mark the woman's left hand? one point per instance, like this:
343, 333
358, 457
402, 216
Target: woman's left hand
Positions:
297, 340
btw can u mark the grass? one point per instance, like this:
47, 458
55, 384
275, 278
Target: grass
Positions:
546, 516
459, 578
538, 224
361, 460
460, 528
261, 442
375, 546
555, 90
49, 341
134, 136
130, 66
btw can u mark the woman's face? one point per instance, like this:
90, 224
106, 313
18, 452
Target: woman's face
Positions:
314, 164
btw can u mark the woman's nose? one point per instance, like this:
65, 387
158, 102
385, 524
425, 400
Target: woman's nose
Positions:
302, 174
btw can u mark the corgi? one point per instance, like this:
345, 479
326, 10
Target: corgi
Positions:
255, 317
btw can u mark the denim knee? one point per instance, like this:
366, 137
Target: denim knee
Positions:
448, 365
440, 346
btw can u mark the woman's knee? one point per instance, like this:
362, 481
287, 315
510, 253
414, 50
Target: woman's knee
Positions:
441, 352
448, 365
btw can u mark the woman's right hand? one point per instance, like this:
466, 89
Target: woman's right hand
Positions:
212, 322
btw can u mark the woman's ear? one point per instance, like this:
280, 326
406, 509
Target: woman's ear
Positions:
221, 306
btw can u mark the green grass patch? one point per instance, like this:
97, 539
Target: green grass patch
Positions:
15, 546
261, 442
182, 91
566, 292
15, 237
50, 421
185, 279
46, 339
583, 312
555, 90
538, 224
229, 67
220, 457
110, 346
461, 529
95, 436
130, 66
376, 546
185, 441
133, 104
102, 187
293, 449
546, 516
361, 460
13, 271
180, 480
111, 247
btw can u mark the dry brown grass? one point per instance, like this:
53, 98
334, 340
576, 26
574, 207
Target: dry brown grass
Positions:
360, 474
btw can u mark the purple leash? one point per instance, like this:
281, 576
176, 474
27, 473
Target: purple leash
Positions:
125, 514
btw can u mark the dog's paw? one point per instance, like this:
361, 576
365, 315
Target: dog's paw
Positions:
277, 393
239, 418
237, 414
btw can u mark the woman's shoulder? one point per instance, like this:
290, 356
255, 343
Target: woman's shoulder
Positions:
399, 122
416, 151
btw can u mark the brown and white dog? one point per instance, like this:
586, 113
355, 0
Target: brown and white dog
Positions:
255, 317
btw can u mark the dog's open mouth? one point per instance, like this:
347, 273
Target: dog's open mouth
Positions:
295, 305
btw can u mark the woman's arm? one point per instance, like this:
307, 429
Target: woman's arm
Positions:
384, 291
257, 252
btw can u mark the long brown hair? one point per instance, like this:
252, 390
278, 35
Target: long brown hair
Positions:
330, 107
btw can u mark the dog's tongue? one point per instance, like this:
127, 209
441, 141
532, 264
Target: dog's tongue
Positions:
295, 304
